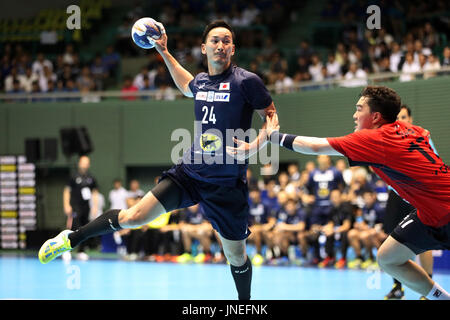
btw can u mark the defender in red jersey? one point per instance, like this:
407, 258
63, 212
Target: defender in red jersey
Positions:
401, 155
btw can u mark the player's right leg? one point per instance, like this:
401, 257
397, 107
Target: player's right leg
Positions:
162, 198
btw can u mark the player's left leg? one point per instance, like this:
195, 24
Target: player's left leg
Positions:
241, 267
426, 261
396, 259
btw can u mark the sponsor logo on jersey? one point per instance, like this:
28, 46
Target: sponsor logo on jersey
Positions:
201, 95
223, 97
210, 142
224, 86
210, 97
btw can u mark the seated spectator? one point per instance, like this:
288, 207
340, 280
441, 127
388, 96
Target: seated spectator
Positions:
395, 57
301, 71
315, 68
283, 83
446, 57
164, 84
85, 82
333, 67
27, 79
111, 60
68, 56
409, 68
261, 221
98, 72
46, 76
138, 80
38, 65
431, 67
193, 225
289, 230
128, 87
9, 80
340, 222
355, 77
367, 230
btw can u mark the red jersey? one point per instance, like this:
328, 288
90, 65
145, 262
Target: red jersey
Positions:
401, 155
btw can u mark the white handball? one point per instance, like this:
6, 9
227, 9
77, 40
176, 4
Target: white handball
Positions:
144, 32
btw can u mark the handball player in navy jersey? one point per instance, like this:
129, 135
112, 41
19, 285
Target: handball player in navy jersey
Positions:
225, 98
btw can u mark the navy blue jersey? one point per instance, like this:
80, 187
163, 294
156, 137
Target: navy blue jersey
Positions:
224, 105
321, 183
297, 217
271, 202
259, 214
373, 215
193, 217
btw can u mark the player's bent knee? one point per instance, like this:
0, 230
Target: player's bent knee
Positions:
132, 218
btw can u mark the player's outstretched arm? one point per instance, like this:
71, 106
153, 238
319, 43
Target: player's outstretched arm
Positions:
301, 144
245, 150
180, 75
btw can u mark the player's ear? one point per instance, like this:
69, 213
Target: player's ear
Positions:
233, 50
203, 48
377, 117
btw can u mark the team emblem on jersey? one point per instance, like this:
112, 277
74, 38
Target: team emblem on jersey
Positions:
224, 86
210, 142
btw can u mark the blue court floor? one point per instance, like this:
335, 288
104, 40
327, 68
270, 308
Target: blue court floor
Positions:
26, 278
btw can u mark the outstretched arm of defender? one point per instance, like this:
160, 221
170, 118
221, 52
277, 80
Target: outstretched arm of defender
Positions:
301, 144
180, 75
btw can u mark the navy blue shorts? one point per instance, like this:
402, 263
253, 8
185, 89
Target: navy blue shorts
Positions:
226, 208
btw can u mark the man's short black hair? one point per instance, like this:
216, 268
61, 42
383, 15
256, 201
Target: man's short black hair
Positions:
217, 24
383, 100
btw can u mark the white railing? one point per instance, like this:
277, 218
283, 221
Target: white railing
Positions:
96, 96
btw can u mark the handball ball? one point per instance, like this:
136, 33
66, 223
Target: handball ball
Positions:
144, 32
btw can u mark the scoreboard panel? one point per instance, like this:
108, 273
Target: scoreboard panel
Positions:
17, 201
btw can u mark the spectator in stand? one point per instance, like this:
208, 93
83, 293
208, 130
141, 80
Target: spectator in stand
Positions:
128, 87
301, 72
46, 76
315, 69
39, 63
138, 80
409, 68
9, 80
395, 58
68, 56
355, 77
147, 86
99, 72
85, 82
333, 67
446, 57
27, 79
164, 84
111, 60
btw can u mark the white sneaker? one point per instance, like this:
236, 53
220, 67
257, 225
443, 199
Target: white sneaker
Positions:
82, 256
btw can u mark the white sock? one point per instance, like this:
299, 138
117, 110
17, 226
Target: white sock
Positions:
438, 293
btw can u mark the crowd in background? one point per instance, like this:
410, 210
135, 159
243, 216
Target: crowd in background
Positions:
315, 217
359, 52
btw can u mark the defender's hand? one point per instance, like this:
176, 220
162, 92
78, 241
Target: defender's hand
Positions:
243, 150
272, 124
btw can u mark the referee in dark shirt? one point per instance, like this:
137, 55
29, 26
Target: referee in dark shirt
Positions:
80, 189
